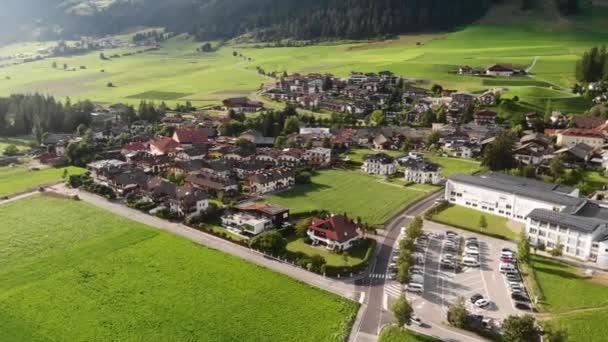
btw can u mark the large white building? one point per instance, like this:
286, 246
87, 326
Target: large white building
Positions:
552, 213
583, 232
509, 196
379, 164
422, 172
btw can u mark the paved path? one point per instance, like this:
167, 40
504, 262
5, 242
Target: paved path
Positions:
340, 288
528, 69
19, 197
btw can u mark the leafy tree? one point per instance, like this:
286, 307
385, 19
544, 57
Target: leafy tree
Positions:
457, 313
552, 333
245, 145
328, 83
302, 226
556, 167
402, 310
541, 246
378, 118
520, 329
558, 249
272, 243
523, 248
483, 222
316, 262
499, 154
280, 141
436, 89
54, 65
403, 272
433, 138
10, 151
292, 125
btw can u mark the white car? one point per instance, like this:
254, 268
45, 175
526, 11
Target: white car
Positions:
482, 303
416, 321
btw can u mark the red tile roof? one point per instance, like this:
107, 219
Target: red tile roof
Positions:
581, 132
501, 67
165, 144
486, 113
190, 136
134, 147
336, 228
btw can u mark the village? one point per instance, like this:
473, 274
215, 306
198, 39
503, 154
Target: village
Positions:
220, 169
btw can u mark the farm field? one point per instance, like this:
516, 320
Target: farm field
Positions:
466, 218
341, 191
394, 334
68, 264
455, 165
565, 288
179, 73
20, 179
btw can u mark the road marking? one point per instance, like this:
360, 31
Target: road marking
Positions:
385, 302
362, 297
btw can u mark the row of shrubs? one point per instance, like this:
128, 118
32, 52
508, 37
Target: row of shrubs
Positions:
86, 182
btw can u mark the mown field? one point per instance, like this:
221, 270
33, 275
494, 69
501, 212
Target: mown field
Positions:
466, 218
178, 73
352, 192
19, 179
455, 165
22, 144
73, 272
354, 255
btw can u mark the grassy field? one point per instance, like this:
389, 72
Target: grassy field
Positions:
394, 334
22, 144
595, 179
70, 271
564, 288
352, 192
178, 73
455, 165
355, 255
466, 218
584, 326
19, 179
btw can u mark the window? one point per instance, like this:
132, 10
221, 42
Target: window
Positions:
475, 205
533, 230
508, 214
509, 206
453, 193
552, 226
468, 203
491, 209
501, 211
542, 232
550, 244
484, 207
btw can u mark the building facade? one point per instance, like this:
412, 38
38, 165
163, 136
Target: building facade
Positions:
379, 164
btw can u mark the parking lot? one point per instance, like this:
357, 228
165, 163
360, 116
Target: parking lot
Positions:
444, 278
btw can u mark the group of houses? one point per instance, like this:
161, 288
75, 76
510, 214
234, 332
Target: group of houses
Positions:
413, 167
496, 70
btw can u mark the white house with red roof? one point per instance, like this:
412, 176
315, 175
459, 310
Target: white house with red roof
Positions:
336, 232
504, 70
575, 136
163, 146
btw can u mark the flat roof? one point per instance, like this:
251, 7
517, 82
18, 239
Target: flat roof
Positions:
526, 187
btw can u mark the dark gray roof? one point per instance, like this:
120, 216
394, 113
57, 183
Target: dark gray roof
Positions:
381, 158
575, 222
420, 165
526, 187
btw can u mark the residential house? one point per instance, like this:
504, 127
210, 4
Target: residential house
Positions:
103, 170
158, 190
257, 138
129, 181
578, 154
266, 181
319, 156
379, 164
242, 104
485, 117
190, 136
573, 136
189, 201
197, 152
335, 233
246, 223
163, 146
503, 70
489, 98
421, 171
278, 215
213, 183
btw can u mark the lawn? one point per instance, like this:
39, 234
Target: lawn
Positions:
565, 289
73, 272
20, 179
353, 192
22, 144
394, 334
355, 255
595, 179
455, 165
584, 326
466, 218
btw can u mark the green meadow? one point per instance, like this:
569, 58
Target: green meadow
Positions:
177, 72
19, 179
351, 192
66, 264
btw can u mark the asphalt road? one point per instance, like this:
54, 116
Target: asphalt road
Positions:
375, 316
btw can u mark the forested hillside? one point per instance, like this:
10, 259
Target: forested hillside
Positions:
264, 19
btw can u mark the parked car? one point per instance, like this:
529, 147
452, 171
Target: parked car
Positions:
474, 298
520, 297
482, 303
414, 287
415, 321
522, 306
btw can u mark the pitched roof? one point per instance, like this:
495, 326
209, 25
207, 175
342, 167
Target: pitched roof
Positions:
582, 132
577, 222
337, 228
588, 122
190, 136
164, 144
501, 67
381, 158
266, 208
